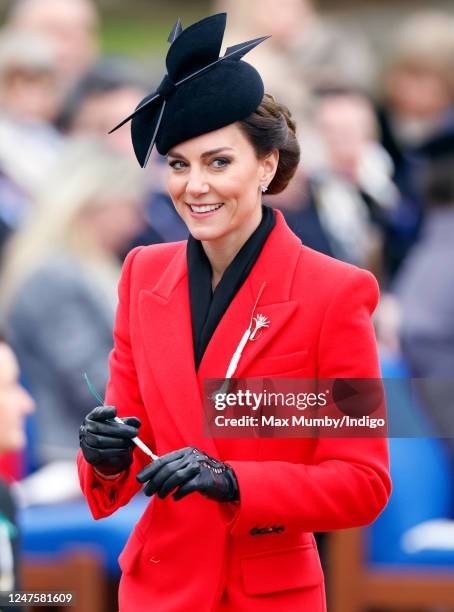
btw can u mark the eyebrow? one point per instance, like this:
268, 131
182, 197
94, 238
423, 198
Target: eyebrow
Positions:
206, 154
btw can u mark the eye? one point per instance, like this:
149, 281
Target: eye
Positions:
220, 162
177, 164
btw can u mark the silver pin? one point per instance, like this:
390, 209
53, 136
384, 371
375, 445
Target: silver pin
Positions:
260, 321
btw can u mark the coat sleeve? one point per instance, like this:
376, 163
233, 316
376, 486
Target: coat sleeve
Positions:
105, 496
347, 484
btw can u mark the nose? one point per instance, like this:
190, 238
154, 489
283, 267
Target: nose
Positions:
196, 184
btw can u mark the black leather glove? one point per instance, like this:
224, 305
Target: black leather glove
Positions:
190, 470
106, 444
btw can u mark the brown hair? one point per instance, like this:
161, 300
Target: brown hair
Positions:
270, 127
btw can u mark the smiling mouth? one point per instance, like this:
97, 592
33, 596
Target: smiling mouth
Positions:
205, 208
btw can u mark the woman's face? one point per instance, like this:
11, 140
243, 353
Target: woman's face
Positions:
418, 92
15, 402
214, 181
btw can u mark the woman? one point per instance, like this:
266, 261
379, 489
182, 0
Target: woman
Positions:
237, 532
59, 285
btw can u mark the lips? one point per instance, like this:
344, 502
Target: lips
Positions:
205, 208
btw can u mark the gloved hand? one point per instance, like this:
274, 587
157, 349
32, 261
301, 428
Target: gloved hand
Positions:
190, 470
106, 444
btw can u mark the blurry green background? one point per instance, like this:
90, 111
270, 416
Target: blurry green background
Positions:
142, 27
139, 27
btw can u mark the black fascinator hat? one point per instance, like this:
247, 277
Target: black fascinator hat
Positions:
201, 91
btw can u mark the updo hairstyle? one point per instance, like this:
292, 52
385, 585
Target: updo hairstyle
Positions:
270, 127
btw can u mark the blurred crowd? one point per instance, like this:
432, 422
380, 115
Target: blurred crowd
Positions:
375, 187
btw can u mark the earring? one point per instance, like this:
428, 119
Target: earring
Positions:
263, 188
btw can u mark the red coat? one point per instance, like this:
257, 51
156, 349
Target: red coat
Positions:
197, 554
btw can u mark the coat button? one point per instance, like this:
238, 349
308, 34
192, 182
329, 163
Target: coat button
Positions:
255, 531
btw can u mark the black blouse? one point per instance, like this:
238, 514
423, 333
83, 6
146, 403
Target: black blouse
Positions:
208, 306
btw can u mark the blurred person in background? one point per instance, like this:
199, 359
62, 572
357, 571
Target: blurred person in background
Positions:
29, 88
15, 404
29, 103
72, 25
424, 289
418, 99
418, 82
59, 285
349, 190
101, 98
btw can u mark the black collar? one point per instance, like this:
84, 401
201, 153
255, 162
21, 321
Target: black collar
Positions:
208, 307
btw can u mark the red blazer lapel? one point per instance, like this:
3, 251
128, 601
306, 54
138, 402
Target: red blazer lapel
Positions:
165, 316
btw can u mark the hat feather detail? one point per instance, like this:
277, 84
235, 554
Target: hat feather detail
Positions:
142, 106
175, 31
240, 50
236, 52
155, 133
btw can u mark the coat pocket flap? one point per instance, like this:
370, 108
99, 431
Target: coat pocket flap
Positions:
281, 570
130, 553
279, 363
